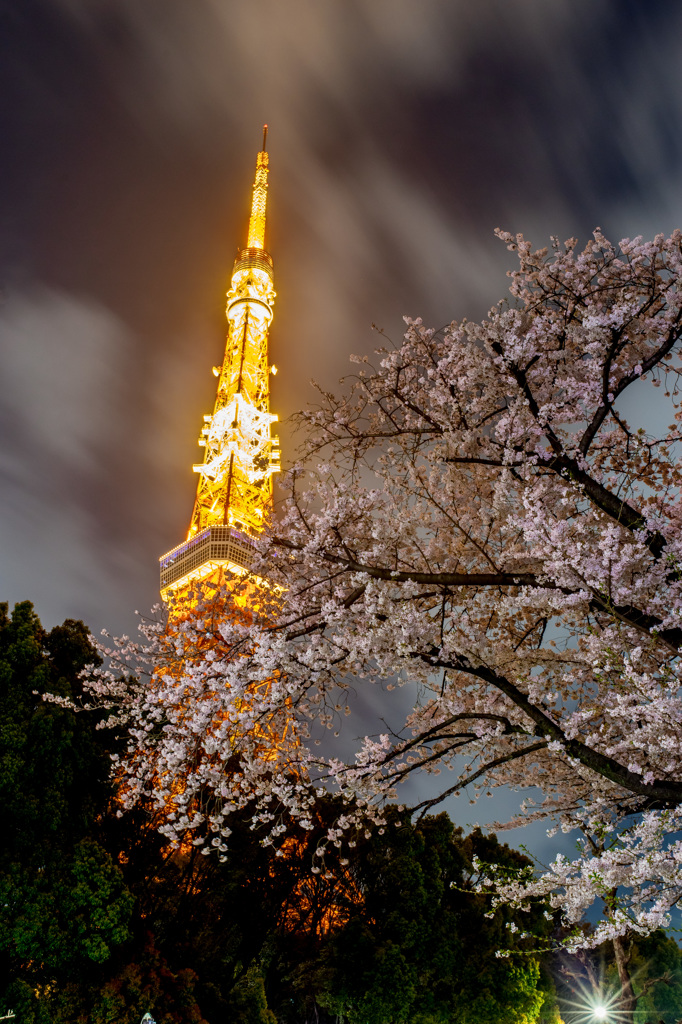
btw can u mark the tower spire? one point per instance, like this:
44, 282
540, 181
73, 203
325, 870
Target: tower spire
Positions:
234, 490
256, 237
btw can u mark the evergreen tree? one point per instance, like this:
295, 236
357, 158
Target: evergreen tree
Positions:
63, 903
418, 945
72, 948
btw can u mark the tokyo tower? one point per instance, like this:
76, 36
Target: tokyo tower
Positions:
234, 490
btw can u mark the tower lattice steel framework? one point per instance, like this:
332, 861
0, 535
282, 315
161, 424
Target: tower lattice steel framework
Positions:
234, 491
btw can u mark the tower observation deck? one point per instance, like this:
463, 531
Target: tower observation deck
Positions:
234, 490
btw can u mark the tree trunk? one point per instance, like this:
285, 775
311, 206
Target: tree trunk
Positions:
627, 999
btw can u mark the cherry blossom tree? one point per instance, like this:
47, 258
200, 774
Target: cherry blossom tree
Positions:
474, 517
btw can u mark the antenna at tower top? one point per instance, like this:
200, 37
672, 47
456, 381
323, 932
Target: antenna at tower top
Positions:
265, 136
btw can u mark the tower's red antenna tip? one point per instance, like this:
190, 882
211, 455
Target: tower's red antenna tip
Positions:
265, 135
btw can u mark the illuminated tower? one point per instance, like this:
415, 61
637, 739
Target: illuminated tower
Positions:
234, 491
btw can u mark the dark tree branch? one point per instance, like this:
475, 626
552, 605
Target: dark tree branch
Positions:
628, 614
660, 793
461, 783
648, 364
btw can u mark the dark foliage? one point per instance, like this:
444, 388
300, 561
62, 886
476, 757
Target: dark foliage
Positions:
72, 945
101, 921
418, 947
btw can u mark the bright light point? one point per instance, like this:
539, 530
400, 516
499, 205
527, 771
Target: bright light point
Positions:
600, 1012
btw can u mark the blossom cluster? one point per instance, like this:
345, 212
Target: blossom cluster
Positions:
473, 515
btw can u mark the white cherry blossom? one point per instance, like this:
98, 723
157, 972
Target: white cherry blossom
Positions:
473, 515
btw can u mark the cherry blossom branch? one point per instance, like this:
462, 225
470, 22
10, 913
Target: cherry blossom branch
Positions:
627, 614
660, 793
514, 755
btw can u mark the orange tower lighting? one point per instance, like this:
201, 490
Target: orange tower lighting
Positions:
234, 491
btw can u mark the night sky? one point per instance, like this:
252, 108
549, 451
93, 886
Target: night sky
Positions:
402, 132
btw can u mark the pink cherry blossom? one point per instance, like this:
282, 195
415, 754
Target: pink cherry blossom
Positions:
475, 516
